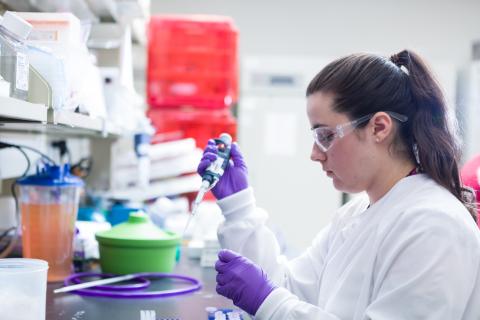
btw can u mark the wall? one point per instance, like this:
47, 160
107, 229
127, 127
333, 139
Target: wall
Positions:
439, 29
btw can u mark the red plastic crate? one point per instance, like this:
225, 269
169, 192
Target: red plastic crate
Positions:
192, 60
202, 125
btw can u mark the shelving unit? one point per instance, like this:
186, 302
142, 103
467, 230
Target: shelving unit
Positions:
14, 109
22, 122
18, 115
76, 123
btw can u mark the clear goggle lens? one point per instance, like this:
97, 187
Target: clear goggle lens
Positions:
325, 136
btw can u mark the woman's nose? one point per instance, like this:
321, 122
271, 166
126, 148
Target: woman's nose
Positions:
317, 154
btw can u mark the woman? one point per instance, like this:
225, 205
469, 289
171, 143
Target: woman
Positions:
409, 249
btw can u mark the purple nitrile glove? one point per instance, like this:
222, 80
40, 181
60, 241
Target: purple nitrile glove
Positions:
234, 178
242, 281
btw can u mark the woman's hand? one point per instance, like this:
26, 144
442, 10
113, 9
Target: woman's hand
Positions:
234, 178
242, 281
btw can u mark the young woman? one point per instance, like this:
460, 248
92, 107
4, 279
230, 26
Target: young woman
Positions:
409, 249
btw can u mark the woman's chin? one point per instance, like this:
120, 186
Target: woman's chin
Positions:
342, 187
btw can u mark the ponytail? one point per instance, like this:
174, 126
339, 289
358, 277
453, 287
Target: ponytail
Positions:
429, 131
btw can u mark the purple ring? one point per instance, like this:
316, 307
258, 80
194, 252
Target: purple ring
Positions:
142, 283
136, 294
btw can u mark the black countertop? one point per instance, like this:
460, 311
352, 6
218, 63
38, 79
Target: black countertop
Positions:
190, 306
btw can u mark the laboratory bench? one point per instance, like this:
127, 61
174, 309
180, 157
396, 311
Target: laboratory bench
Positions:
190, 306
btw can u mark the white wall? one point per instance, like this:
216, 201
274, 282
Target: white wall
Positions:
438, 29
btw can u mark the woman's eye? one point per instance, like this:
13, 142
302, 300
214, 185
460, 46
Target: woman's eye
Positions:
328, 136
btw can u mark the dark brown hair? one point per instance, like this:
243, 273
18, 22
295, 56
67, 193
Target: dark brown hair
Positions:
366, 83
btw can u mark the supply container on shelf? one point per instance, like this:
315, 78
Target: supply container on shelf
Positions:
200, 124
48, 205
14, 66
192, 60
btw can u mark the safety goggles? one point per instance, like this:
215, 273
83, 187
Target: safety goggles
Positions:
326, 136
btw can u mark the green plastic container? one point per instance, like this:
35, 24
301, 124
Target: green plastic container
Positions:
137, 246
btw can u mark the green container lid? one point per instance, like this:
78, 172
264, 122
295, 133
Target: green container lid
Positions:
137, 231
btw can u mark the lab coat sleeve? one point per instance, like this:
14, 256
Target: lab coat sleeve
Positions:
424, 269
281, 304
244, 231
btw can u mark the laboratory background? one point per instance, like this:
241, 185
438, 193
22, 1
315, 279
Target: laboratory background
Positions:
106, 107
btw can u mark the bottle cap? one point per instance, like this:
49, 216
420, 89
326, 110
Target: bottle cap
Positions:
15, 24
139, 232
52, 176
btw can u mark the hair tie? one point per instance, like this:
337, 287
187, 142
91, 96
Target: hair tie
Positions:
416, 153
404, 70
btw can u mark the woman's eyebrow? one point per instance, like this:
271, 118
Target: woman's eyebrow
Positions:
318, 125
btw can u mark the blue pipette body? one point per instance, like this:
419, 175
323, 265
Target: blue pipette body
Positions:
214, 171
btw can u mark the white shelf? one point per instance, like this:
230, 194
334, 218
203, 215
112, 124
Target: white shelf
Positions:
19, 115
119, 10
16, 109
74, 120
77, 123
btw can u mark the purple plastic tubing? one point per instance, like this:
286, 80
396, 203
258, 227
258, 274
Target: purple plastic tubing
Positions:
132, 291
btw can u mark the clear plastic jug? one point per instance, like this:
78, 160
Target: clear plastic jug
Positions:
49, 205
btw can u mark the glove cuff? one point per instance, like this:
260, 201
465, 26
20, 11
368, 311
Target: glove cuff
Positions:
263, 292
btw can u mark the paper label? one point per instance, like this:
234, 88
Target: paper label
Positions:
21, 81
43, 35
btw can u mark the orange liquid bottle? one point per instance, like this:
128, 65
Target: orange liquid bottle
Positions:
48, 205
47, 234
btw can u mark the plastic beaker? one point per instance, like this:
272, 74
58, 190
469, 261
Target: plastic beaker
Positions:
24, 289
49, 205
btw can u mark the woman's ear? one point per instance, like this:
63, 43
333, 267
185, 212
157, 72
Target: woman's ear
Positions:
382, 126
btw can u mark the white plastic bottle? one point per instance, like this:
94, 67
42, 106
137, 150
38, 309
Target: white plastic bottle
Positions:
14, 66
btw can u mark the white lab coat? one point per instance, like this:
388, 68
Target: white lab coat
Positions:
414, 254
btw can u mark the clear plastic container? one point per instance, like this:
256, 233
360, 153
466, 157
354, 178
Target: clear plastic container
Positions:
14, 66
24, 288
49, 206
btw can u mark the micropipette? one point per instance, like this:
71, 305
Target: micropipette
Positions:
214, 171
